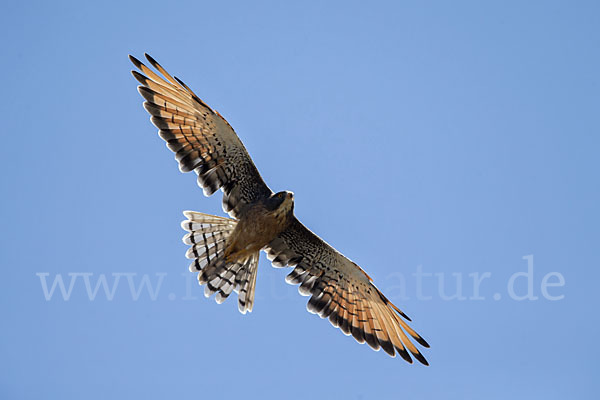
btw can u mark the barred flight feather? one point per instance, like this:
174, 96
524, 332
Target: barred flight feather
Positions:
202, 140
342, 292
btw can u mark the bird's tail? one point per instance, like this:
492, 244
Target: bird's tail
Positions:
208, 240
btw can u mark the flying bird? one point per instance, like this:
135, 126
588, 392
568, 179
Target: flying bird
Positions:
225, 251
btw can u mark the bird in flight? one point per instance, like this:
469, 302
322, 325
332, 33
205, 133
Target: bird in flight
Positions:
225, 251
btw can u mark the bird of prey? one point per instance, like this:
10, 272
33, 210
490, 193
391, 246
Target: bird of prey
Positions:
225, 251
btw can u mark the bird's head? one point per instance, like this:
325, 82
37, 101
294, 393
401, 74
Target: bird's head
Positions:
281, 203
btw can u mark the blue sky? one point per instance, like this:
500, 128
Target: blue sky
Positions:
434, 144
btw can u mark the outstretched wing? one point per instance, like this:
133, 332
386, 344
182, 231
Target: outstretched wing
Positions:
200, 138
341, 291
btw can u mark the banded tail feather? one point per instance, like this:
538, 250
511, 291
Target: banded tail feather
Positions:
207, 238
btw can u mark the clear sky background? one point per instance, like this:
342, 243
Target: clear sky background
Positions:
450, 138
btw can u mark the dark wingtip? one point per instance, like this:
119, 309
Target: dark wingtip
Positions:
372, 341
388, 347
404, 354
146, 93
141, 78
180, 82
422, 342
149, 58
421, 359
144, 90
135, 61
358, 334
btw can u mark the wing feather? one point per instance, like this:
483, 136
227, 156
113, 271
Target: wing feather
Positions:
202, 140
358, 329
342, 292
372, 333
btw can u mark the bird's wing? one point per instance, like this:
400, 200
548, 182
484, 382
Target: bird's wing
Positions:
200, 138
341, 291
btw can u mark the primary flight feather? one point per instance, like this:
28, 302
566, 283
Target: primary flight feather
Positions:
225, 251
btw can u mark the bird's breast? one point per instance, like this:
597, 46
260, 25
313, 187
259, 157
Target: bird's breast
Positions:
256, 228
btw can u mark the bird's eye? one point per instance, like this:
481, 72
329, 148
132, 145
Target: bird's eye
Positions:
279, 195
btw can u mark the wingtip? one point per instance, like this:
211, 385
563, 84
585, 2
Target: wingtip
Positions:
424, 343
189, 90
388, 347
141, 78
150, 59
135, 61
143, 91
404, 354
179, 80
421, 359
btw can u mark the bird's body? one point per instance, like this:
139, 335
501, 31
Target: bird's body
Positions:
225, 251
260, 223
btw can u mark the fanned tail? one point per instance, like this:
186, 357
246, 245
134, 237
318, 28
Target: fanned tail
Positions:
208, 240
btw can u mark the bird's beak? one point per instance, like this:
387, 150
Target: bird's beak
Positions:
290, 195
